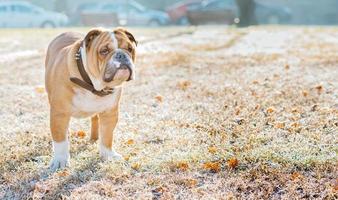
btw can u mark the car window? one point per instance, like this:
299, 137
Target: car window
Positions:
3, 9
110, 7
133, 6
21, 9
114, 8
220, 4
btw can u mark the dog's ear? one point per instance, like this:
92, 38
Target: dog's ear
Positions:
91, 35
128, 34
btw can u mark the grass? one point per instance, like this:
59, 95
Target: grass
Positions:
214, 113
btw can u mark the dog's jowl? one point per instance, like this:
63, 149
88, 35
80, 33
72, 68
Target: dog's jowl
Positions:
84, 78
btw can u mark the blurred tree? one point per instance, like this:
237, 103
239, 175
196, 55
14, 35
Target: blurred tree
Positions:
61, 5
247, 12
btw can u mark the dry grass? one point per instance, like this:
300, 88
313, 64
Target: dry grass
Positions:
214, 114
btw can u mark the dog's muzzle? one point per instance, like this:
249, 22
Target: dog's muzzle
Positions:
119, 63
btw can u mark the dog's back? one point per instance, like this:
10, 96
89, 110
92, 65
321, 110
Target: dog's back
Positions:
60, 42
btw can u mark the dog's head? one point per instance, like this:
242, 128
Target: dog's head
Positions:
109, 57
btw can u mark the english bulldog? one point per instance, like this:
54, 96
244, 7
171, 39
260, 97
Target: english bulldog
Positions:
84, 78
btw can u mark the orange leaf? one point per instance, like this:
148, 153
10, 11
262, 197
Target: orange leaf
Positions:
183, 85
233, 163
295, 125
182, 166
295, 175
63, 173
159, 98
130, 142
280, 125
40, 89
336, 185
189, 182
212, 166
136, 166
212, 149
305, 93
319, 88
81, 134
270, 110
126, 158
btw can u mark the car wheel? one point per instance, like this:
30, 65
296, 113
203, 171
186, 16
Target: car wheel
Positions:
183, 21
154, 23
48, 25
273, 19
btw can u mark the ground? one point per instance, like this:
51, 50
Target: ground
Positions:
215, 113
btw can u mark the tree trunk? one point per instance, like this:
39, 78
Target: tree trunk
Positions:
247, 12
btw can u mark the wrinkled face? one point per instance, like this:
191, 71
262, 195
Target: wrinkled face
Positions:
110, 57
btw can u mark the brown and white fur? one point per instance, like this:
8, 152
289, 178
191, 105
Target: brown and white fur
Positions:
68, 100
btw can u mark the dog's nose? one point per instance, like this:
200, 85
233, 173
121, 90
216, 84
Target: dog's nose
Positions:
121, 57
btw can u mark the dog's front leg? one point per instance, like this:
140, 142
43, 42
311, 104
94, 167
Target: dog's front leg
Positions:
107, 124
94, 128
59, 127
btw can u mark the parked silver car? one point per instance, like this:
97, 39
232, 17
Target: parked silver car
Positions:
21, 14
129, 13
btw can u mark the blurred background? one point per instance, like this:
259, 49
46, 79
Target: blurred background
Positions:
59, 13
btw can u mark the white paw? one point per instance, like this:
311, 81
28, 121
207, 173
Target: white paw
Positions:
61, 155
109, 154
59, 163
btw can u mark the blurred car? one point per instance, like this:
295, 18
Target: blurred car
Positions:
269, 13
227, 12
213, 12
178, 12
129, 13
21, 14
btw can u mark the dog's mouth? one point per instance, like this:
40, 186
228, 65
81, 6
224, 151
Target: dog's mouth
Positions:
118, 72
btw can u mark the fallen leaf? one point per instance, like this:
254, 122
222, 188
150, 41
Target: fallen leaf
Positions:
182, 166
255, 82
126, 158
305, 93
270, 110
63, 173
233, 163
280, 125
136, 166
319, 89
187, 182
80, 134
212, 149
294, 110
336, 185
212, 166
159, 98
130, 142
314, 108
159, 190
295, 125
40, 90
183, 85
295, 175
287, 66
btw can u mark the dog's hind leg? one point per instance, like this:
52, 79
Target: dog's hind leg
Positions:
94, 129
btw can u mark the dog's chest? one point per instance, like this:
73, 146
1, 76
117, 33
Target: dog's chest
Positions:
86, 104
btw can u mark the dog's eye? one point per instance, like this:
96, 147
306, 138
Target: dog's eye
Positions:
104, 52
130, 49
